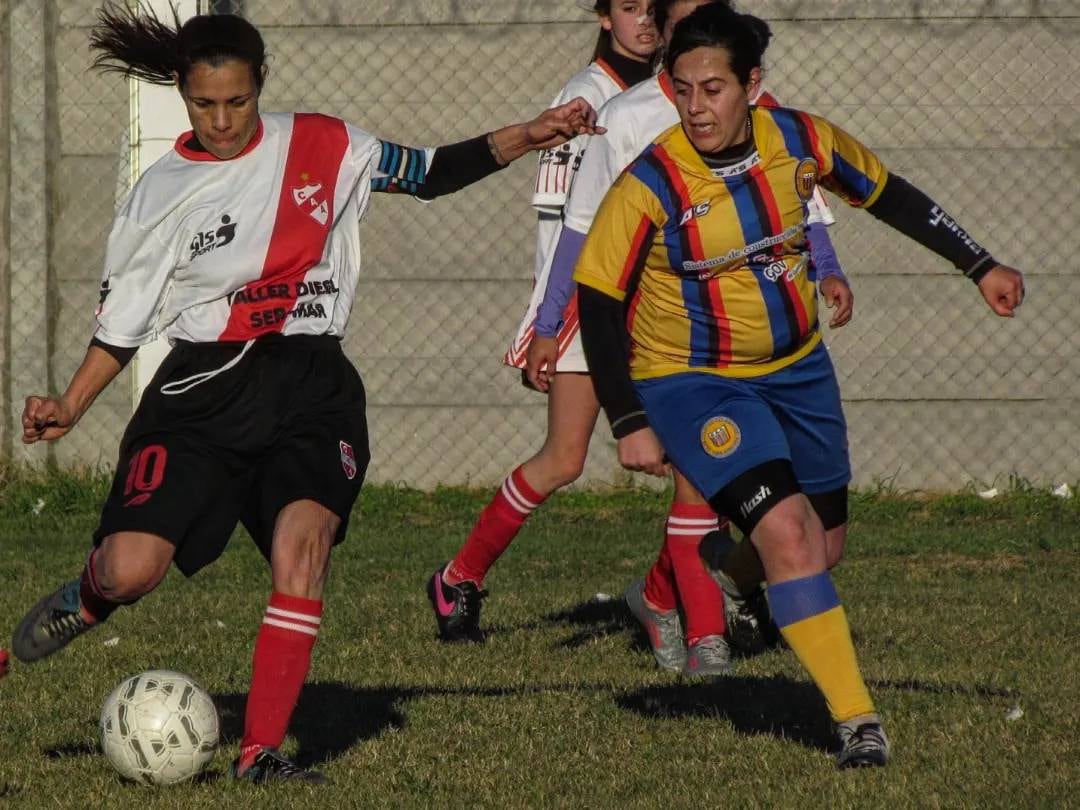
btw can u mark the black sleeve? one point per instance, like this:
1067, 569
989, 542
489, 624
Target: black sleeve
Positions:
458, 165
908, 210
604, 338
120, 354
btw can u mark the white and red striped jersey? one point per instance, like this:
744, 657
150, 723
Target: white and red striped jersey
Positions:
634, 119
596, 83
228, 250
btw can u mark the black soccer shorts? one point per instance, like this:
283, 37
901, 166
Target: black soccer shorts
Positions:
286, 423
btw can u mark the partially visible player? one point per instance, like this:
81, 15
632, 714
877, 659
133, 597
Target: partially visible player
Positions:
623, 58
633, 119
725, 353
242, 247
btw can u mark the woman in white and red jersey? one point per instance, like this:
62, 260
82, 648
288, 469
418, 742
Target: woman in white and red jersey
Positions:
623, 57
242, 247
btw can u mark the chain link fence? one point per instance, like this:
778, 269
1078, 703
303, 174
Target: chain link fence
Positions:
970, 100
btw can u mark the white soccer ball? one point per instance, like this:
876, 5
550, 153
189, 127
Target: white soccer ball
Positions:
159, 727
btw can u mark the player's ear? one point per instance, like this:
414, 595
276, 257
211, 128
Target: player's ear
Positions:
755, 82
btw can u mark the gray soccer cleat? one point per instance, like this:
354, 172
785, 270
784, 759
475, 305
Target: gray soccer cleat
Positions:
51, 625
863, 743
708, 657
664, 629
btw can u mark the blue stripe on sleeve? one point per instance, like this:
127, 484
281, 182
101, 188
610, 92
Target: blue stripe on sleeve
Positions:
799, 599
857, 184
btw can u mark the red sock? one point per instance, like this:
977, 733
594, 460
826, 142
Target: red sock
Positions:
279, 669
660, 582
701, 597
94, 606
495, 529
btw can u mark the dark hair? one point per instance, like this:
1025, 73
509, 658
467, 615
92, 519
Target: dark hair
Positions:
142, 45
744, 36
662, 7
603, 42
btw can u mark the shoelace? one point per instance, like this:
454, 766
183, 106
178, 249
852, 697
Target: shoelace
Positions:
864, 739
470, 601
278, 764
712, 649
63, 625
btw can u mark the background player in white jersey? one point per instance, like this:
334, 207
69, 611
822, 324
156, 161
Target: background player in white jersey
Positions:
623, 57
634, 119
242, 247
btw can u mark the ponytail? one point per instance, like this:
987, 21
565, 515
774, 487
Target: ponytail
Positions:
140, 45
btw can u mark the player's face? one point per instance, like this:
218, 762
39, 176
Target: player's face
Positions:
223, 106
679, 10
633, 32
712, 103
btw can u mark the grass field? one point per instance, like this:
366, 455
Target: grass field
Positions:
963, 610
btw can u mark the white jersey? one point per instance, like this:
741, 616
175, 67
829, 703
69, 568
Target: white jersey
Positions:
635, 119
228, 250
596, 83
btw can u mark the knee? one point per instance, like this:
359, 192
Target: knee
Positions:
792, 538
564, 466
125, 580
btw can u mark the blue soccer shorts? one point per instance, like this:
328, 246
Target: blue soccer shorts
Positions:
716, 428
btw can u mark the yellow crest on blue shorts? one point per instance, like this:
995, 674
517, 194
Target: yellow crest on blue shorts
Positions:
720, 436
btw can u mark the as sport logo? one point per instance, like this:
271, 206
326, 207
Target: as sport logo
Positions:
206, 241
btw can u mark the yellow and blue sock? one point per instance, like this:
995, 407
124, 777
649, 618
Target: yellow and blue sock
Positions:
813, 623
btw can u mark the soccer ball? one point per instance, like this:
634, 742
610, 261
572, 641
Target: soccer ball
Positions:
159, 727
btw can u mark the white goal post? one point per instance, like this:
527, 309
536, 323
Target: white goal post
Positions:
157, 117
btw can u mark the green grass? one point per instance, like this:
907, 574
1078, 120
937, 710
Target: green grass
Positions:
962, 609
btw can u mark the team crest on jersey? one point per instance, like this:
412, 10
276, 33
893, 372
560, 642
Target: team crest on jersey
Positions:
720, 436
806, 176
310, 199
219, 237
348, 459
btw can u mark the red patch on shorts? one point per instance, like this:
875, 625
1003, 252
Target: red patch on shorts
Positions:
348, 460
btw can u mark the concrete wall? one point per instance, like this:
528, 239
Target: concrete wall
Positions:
972, 101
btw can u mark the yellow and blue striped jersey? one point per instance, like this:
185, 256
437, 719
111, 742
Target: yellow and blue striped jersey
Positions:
713, 264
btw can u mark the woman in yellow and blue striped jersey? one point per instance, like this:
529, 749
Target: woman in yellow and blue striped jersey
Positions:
700, 326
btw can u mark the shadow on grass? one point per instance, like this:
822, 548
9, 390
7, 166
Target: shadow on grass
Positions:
329, 720
779, 706
591, 620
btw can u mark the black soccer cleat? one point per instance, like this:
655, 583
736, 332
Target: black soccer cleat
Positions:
750, 626
51, 625
271, 766
457, 609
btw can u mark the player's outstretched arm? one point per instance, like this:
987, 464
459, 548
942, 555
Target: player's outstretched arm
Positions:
430, 173
549, 129
910, 211
49, 418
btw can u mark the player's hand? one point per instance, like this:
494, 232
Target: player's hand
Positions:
641, 452
46, 418
1003, 289
838, 295
540, 360
561, 124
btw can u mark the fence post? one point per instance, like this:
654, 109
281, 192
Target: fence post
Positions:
28, 213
